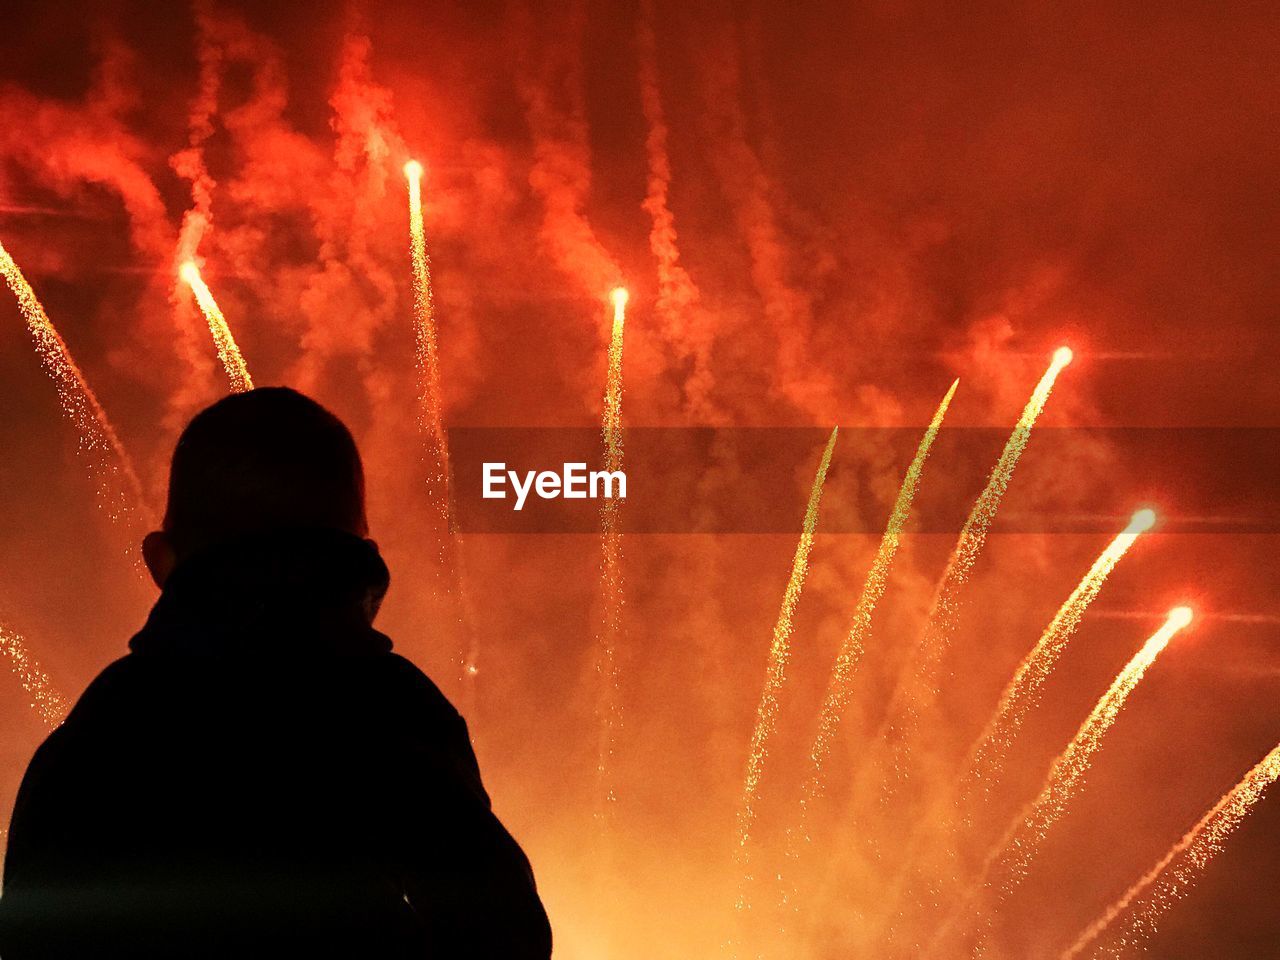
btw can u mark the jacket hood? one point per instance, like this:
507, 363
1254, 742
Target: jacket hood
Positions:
284, 592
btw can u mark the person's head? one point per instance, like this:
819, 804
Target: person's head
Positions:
268, 459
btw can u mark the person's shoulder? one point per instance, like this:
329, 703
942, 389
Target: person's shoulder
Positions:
110, 692
113, 684
410, 682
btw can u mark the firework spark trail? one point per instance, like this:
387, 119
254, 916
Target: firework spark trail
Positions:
426, 350
431, 423
45, 700
612, 419
1160, 888
779, 654
611, 586
919, 691
228, 351
1012, 854
839, 687
1020, 696
98, 442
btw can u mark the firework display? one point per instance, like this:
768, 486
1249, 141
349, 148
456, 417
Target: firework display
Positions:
820, 216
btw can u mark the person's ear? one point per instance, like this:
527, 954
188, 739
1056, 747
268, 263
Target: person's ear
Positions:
157, 553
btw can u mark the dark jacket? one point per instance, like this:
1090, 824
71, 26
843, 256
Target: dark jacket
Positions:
262, 777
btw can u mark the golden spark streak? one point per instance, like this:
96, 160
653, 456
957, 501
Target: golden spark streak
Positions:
839, 687
1015, 850
45, 700
98, 440
430, 416
1020, 696
775, 674
840, 684
426, 348
986, 757
920, 689
228, 351
1067, 772
1160, 888
611, 585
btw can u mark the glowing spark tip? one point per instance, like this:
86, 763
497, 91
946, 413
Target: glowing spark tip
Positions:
1142, 521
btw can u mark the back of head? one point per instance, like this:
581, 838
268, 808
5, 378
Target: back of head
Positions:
267, 459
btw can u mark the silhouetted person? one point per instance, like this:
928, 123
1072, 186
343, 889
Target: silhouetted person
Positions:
261, 776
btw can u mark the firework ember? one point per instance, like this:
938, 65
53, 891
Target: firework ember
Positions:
45, 699
1169, 880
119, 489
1023, 691
228, 351
775, 674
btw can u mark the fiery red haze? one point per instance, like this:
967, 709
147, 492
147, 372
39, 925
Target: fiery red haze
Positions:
824, 213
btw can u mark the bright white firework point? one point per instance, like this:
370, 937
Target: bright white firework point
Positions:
619, 296
1179, 617
1062, 356
189, 272
1142, 520
413, 170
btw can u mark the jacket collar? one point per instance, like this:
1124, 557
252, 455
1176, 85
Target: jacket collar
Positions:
292, 592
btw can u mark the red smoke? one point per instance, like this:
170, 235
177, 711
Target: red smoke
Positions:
824, 213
